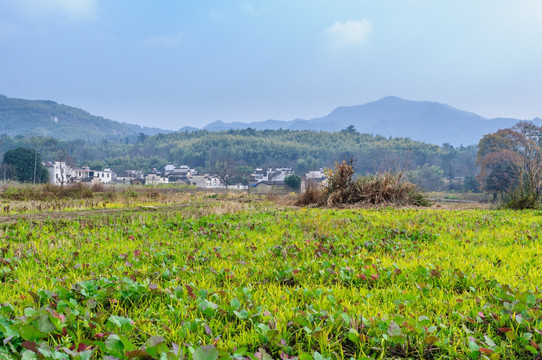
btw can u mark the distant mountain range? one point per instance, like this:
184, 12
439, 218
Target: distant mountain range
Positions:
47, 118
426, 121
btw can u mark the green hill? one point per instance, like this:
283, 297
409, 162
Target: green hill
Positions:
47, 118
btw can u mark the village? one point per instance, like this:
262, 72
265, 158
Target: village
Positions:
261, 180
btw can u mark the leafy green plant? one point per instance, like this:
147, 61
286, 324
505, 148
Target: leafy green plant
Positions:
270, 283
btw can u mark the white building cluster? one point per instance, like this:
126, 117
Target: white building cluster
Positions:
60, 173
272, 178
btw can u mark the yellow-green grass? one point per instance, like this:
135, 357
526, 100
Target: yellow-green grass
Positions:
31, 199
263, 281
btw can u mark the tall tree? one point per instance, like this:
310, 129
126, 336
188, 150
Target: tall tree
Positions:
500, 172
530, 162
512, 159
25, 165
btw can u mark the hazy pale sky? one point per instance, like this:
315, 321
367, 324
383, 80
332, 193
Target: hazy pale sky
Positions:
173, 63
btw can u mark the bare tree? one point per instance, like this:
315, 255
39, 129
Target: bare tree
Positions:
530, 151
223, 167
62, 178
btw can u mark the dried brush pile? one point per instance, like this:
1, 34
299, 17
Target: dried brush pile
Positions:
384, 188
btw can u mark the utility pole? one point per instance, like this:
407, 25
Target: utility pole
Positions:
35, 163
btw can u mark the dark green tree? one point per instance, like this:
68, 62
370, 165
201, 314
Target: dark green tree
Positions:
25, 165
428, 177
241, 175
470, 185
141, 137
293, 182
350, 129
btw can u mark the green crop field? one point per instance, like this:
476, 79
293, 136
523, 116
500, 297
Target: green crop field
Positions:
260, 281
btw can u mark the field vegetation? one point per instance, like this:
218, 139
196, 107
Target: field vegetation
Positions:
26, 198
192, 275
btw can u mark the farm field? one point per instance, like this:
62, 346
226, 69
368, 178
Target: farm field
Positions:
231, 279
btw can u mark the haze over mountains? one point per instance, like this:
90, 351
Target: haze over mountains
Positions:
426, 121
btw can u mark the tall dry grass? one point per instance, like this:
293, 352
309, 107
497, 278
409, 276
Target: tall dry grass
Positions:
46, 192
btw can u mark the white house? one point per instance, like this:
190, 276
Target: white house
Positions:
59, 173
316, 175
278, 174
206, 181
156, 179
127, 176
271, 174
105, 176
214, 182
259, 175
83, 173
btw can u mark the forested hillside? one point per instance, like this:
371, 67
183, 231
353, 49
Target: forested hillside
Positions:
301, 150
47, 118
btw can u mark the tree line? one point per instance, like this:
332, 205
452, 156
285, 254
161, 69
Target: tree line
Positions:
432, 167
507, 163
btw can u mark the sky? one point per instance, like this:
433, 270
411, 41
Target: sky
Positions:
176, 63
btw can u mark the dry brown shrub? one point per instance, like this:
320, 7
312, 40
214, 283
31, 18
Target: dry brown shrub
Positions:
312, 195
98, 187
384, 188
155, 194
